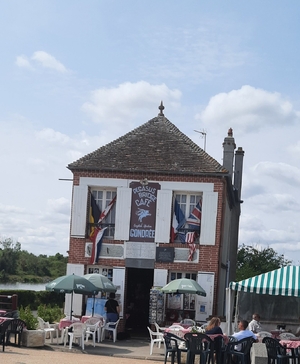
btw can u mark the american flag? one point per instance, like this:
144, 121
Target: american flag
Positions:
190, 237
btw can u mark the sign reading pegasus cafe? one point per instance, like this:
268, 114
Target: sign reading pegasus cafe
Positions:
143, 211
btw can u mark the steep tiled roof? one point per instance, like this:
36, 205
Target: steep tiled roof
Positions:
157, 146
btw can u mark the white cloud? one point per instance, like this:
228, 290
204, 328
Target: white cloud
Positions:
23, 62
195, 53
282, 172
122, 104
60, 205
41, 58
46, 60
294, 149
249, 109
52, 136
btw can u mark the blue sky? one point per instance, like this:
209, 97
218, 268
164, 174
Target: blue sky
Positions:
77, 74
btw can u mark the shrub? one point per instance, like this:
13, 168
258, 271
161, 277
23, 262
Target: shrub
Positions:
27, 316
50, 314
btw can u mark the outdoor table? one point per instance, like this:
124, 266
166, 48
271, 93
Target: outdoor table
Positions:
84, 318
177, 331
64, 324
186, 326
2, 319
291, 344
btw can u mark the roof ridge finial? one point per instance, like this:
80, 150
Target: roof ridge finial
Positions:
161, 108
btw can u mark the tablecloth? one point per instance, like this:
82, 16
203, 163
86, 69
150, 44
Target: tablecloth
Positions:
2, 319
290, 344
63, 323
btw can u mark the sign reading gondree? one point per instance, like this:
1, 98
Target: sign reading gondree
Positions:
143, 211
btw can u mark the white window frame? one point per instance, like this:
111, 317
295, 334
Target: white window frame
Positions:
107, 195
188, 206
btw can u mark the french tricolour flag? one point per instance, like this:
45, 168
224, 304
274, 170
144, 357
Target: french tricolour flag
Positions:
178, 220
96, 237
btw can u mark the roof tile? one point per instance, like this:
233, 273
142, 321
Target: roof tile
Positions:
157, 146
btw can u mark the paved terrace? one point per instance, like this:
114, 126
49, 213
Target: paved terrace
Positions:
130, 351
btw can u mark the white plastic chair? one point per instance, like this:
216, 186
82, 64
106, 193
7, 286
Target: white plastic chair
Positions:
78, 332
263, 334
156, 338
188, 322
286, 336
110, 327
45, 326
158, 328
93, 328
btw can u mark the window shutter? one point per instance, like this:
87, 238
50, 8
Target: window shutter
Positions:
209, 218
204, 305
119, 280
77, 269
160, 277
123, 209
79, 211
163, 216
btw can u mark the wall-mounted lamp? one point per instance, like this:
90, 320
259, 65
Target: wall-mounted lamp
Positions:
144, 181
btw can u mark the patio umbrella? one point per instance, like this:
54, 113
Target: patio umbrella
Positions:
102, 283
184, 285
72, 284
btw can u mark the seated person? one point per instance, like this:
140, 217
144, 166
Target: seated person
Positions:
213, 327
243, 333
255, 325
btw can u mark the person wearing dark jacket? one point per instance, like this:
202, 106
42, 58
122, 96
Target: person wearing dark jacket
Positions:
112, 308
213, 327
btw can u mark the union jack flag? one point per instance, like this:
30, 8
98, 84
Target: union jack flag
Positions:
194, 220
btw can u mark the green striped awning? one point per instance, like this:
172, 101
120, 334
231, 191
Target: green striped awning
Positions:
283, 281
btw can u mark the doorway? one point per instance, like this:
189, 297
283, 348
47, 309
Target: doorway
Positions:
139, 283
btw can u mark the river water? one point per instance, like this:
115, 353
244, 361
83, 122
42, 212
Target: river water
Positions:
24, 286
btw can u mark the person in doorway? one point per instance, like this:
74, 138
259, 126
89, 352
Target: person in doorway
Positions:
213, 327
255, 325
112, 308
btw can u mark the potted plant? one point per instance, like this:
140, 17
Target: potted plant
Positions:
31, 337
51, 314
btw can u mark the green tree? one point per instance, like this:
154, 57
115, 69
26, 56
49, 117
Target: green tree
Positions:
252, 261
9, 255
57, 265
18, 265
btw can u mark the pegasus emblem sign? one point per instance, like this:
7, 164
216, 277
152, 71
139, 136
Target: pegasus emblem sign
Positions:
141, 213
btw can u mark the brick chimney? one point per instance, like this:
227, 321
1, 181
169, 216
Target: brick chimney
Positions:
238, 170
228, 152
